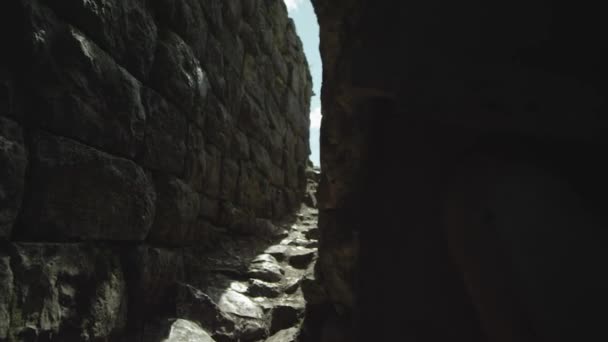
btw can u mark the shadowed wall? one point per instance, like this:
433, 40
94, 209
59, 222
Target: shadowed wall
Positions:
462, 182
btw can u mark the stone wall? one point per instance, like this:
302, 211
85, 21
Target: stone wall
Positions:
130, 130
462, 188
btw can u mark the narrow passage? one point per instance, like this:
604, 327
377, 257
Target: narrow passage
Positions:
253, 292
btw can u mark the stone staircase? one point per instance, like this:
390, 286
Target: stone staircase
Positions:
245, 297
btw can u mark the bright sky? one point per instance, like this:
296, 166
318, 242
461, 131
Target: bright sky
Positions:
303, 15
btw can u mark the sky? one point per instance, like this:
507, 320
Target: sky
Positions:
304, 17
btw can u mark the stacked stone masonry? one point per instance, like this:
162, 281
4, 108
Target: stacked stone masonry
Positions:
130, 131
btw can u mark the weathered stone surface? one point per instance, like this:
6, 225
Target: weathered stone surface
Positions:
177, 210
264, 258
252, 330
260, 288
213, 166
80, 193
239, 287
279, 207
186, 18
126, 29
197, 306
151, 273
13, 162
255, 191
209, 208
240, 145
265, 227
278, 251
164, 147
235, 218
261, 159
213, 61
6, 290
252, 118
177, 74
312, 233
287, 335
66, 292
218, 124
267, 270
229, 314
285, 316
186, 331
292, 284
314, 291
233, 302
230, 177
196, 159
310, 198
299, 242
88, 97
300, 257
7, 93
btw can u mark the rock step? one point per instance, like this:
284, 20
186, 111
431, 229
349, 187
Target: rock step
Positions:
261, 300
286, 335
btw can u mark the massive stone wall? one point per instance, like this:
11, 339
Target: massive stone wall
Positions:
462, 188
129, 130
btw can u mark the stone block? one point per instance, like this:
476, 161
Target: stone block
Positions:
177, 210
66, 292
81, 93
80, 193
124, 28
178, 75
164, 146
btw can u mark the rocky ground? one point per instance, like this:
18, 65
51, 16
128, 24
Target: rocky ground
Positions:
250, 298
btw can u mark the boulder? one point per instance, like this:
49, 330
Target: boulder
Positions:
80, 193
80, 92
287, 335
265, 267
310, 199
67, 291
266, 271
176, 213
187, 331
186, 18
285, 316
195, 305
233, 302
228, 314
164, 147
300, 257
259, 288
177, 74
152, 273
277, 251
126, 28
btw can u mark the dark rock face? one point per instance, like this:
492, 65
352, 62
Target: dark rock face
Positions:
136, 137
116, 199
13, 162
461, 191
62, 291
